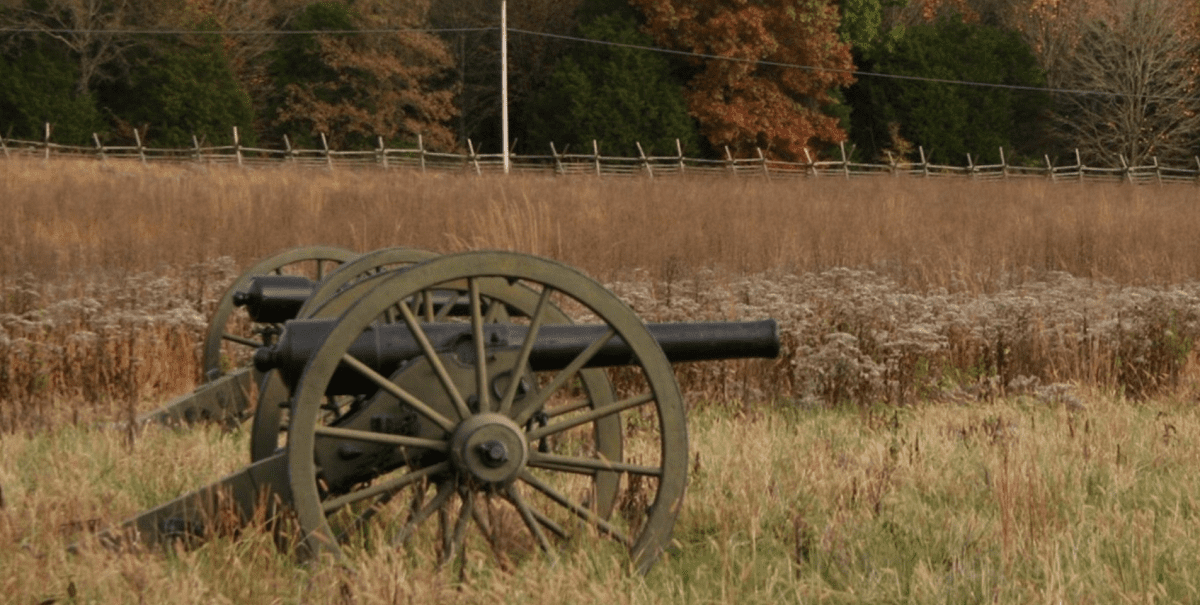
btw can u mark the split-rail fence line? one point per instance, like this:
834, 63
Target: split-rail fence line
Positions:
556, 163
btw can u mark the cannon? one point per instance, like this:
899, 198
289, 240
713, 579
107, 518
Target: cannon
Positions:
488, 401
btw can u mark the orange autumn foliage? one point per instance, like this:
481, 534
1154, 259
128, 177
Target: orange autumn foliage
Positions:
755, 96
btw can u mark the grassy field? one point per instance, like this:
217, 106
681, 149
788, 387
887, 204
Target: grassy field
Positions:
1017, 501
987, 392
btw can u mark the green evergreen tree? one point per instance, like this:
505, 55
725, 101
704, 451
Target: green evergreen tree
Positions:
614, 95
950, 120
179, 87
298, 61
37, 85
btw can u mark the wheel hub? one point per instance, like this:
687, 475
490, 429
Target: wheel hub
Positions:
489, 448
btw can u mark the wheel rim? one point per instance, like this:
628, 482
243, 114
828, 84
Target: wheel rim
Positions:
540, 489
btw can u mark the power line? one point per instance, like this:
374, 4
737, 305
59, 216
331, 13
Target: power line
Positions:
856, 73
711, 57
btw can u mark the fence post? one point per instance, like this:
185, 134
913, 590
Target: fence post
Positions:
811, 165
3, 147
46, 142
729, 163
1197, 158
1079, 165
596, 155
1126, 173
382, 153
763, 159
1003, 165
474, 159
924, 162
645, 161
558, 167
845, 161
141, 149
328, 156
1049, 167
196, 149
1157, 170
287, 144
421, 148
99, 147
679, 149
971, 166
237, 147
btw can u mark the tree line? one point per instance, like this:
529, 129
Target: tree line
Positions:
794, 79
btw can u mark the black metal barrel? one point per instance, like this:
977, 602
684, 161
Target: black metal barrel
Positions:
385, 347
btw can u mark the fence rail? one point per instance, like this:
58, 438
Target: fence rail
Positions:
594, 163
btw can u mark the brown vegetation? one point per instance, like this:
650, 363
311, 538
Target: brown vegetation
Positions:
887, 289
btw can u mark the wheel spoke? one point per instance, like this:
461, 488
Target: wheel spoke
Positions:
384, 438
588, 466
497, 313
445, 489
543, 395
522, 365
489, 534
382, 488
612, 408
549, 524
530, 522
459, 538
567, 409
481, 369
394, 389
361, 520
435, 362
579, 511
427, 305
447, 307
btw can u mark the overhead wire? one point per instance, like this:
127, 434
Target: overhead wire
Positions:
705, 56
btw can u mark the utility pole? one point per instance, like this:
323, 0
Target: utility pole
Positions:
504, 79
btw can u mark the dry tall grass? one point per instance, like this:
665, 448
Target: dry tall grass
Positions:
887, 289
67, 217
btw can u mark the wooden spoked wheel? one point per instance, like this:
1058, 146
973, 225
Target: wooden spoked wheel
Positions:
508, 458
332, 295
230, 342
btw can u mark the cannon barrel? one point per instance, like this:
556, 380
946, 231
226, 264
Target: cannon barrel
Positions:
275, 298
279, 298
385, 347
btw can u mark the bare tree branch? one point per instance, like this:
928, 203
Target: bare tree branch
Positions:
1140, 58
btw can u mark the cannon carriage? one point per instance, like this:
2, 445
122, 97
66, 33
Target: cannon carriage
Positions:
464, 397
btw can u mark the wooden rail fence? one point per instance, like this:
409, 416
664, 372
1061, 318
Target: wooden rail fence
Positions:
594, 163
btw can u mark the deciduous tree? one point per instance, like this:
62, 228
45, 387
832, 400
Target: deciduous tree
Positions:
770, 88
355, 87
1140, 58
88, 29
